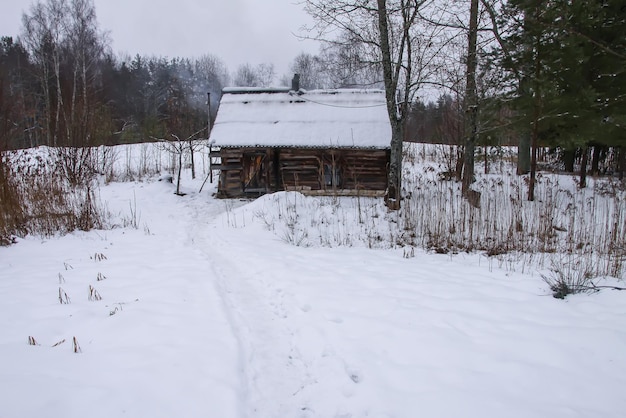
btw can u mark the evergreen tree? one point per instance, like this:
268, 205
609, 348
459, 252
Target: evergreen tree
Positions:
568, 61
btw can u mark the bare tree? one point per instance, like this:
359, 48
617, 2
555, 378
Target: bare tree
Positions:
347, 63
42, 33
266, 74
245, 76
177, 147
63, 38
249, 76
471, 100
211, 77
311, 71
84, 48
469, 29
388, 31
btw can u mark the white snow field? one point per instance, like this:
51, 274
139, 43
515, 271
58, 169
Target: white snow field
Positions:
206, 310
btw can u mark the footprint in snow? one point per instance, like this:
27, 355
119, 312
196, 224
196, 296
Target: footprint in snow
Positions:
354, 374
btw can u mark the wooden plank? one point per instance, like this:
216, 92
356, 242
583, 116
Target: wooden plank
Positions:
303, 169
226, 167
344, 192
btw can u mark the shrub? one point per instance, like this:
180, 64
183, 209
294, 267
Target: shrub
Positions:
38, 197
11, 213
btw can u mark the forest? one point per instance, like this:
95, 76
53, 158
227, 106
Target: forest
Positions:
551, 70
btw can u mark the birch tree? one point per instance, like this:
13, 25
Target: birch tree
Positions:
65, 44
42, 33
64, 41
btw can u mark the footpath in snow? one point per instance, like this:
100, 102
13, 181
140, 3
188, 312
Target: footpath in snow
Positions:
206, 312
158, 344
353, 332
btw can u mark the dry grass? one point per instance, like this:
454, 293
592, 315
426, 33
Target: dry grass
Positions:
94, 295
50, 191
571, 222
44, 196
76, 346
565, 225
64, 299
11, 214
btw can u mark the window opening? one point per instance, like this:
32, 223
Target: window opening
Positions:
332, 173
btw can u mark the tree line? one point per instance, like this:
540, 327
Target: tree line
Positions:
472, 72
60, 84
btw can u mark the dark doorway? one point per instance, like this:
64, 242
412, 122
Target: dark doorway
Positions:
254, 173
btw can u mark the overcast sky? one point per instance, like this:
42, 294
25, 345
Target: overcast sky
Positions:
237, 31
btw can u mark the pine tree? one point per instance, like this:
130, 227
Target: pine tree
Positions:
568, 59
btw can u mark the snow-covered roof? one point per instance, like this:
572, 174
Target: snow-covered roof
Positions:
315, 118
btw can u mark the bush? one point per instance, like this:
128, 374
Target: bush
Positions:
37, 197
570, 276
11, 213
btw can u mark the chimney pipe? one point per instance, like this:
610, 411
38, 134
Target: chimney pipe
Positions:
295, 83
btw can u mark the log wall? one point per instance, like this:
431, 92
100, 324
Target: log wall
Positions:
314, 169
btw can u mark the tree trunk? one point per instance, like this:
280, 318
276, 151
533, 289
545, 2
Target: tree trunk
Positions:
568, 157
486, 152
458, 168
595, 160
193, 164
534, 139
583, 167
395, 164
471, 101
537, 108
523, 154
59, 97
47, 93
621, 162
180, 167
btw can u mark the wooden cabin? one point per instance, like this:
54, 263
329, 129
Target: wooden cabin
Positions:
316, 142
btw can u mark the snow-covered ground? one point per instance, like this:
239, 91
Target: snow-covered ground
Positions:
208, 310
